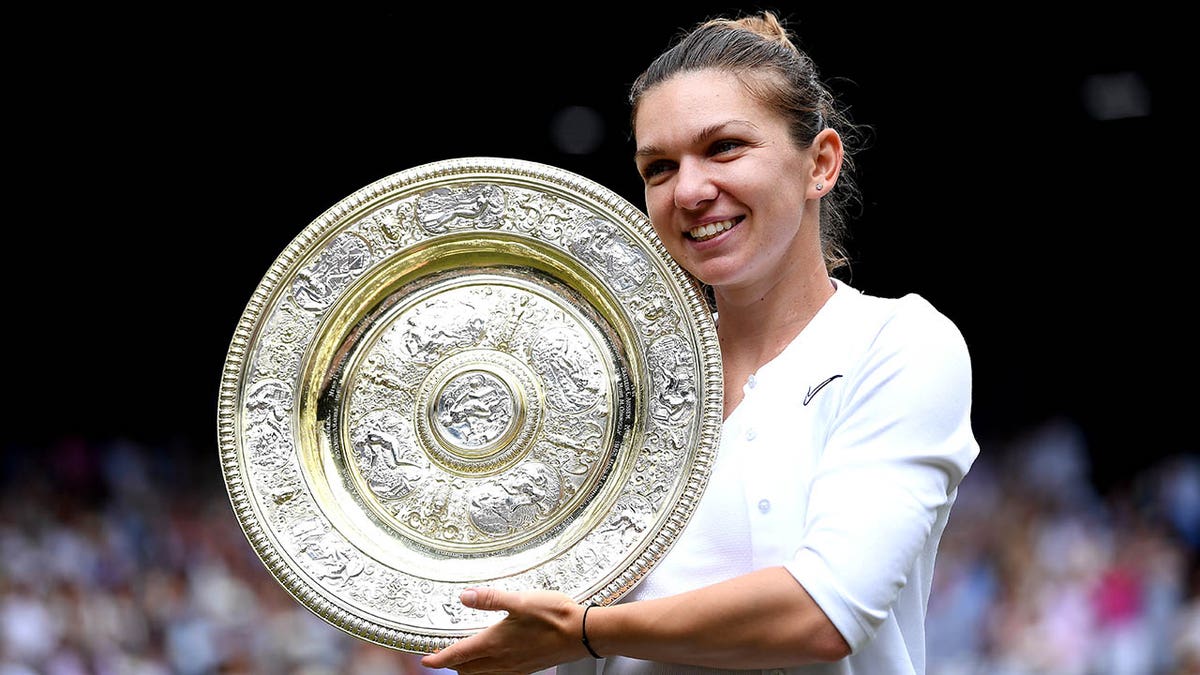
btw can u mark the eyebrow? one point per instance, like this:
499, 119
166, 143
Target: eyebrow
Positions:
700, 137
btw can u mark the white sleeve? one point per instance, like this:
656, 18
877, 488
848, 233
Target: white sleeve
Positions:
897, 449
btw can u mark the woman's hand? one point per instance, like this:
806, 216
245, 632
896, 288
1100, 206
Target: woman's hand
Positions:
542, 629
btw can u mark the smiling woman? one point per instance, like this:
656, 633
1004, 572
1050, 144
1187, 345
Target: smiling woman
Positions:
265, 120
846, 425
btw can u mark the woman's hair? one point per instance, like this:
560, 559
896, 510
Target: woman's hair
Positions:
759, 50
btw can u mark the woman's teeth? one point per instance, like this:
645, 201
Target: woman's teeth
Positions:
711, 230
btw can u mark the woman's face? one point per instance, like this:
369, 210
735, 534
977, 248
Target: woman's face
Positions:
725, 184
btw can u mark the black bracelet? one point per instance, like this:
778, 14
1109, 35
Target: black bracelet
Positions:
587, 645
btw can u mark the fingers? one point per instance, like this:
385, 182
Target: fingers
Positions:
454, 655
443, 658
468, 649
537, 631
475, 654
435, 660
487, 599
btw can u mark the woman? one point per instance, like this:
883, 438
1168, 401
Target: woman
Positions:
847, 417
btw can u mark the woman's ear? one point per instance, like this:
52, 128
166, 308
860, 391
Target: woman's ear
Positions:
826, 151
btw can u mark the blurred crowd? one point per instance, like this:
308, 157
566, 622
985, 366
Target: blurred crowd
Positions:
1041, 573
122, 557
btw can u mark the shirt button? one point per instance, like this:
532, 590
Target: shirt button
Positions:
752, 381
751, 434
764, 505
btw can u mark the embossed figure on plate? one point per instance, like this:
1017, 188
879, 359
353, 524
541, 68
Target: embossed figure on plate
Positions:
474, 409
390, 463
475, 206
517, 500
317, 285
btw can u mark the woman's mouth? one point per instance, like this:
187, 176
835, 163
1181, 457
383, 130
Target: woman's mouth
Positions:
711, 230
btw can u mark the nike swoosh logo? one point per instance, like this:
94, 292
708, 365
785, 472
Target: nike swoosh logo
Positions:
812, 391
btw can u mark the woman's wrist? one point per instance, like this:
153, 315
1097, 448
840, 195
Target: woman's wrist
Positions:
587, 606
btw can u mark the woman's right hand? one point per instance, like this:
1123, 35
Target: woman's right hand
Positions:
542, 629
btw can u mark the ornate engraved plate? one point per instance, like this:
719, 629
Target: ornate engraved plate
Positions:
475, 372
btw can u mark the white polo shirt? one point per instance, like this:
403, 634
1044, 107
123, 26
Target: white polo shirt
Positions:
841, 463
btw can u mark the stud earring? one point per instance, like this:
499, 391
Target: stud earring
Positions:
820, 186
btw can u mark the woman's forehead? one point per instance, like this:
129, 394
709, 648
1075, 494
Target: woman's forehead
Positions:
690, 102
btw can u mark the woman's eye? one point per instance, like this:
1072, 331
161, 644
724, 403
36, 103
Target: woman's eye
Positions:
724, 146
655, 168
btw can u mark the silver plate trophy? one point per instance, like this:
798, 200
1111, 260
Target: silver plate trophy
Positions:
476, 372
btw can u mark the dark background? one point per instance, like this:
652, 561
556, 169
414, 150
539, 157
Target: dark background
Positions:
1014, 178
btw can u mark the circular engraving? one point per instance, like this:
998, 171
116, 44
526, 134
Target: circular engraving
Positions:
474, 372
474, 410
477, 412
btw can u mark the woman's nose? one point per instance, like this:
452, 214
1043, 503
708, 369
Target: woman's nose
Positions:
693, 185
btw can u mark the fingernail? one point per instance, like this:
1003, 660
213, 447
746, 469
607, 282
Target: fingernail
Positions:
468, 597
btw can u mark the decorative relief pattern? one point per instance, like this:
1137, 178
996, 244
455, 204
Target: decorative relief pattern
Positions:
287, 328
476, 420
541, 215
344, 259
474, 410
484, 391
672, 370
385, 456
572, 370
610, 254
478, 206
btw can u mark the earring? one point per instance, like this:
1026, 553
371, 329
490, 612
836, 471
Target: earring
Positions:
820, 186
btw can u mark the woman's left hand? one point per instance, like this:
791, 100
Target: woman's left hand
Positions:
542, 629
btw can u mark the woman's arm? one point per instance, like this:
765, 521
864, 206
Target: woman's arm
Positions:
762, 619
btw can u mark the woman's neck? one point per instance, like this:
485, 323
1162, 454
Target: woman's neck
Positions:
754, 327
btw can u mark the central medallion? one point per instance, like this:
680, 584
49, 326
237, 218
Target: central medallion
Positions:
474, 412
477, 412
